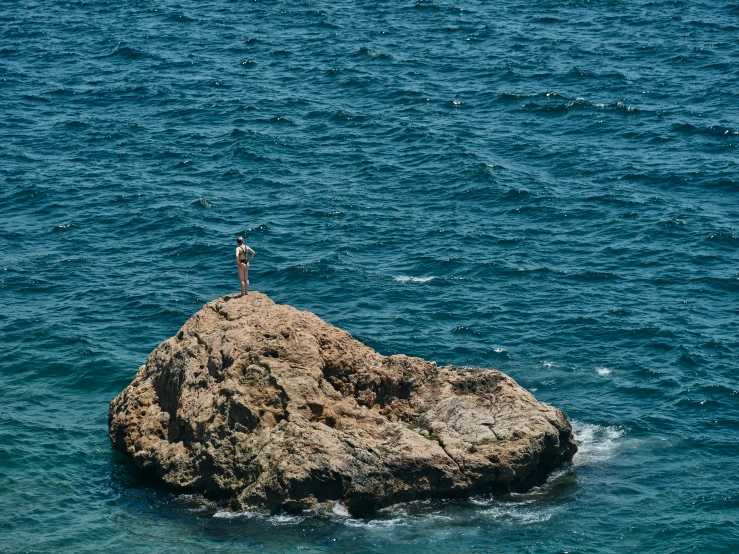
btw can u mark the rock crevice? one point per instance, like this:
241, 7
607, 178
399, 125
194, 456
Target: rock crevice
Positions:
266, 405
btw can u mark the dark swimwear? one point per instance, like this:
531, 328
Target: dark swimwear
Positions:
244, 260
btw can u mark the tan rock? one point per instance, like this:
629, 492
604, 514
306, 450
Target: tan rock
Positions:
266, 405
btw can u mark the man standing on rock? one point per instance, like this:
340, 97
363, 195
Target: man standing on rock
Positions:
244, 254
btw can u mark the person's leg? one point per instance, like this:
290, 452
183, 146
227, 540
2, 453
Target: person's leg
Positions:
246, 280
242, 278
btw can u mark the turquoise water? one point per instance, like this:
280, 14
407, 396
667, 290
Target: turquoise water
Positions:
548, 188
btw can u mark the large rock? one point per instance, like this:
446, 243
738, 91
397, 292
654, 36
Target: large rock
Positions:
266, 405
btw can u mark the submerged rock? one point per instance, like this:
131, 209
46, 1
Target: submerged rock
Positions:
266, 405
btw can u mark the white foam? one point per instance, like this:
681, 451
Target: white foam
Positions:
284, 518
548, 364
223, 514
517, 512
340, 510
409, 279
628, 108
597, 443
374, 523
279, 519
603, 371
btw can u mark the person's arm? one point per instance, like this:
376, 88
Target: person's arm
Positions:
250, 252
237, 257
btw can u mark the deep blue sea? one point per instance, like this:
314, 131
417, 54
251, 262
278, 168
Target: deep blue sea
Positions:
550, 188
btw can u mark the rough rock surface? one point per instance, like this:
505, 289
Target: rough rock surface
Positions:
266, 405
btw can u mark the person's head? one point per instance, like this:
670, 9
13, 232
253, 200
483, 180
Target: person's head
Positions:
239, 241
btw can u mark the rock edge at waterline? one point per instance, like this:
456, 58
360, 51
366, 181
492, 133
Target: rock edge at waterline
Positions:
266, 405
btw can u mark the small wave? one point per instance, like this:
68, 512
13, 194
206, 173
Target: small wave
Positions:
341, 116
517, 513
464, 330
423, 5
258, 229
76, 124
364, 51
516, 194
409, 279
603, 371
491, 165
724, 236
626, 108
279, 119
374, 523
74, 260
500, 353
597, 443
592, 276
61, 92
536, 104
181, 18
712, 130
519, 508
511, 97
127, 52
613, 199
35, 98
279, 519
728, 184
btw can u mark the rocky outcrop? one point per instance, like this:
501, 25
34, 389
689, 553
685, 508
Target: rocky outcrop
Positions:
266, 405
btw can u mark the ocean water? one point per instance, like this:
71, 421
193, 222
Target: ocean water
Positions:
549, 188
